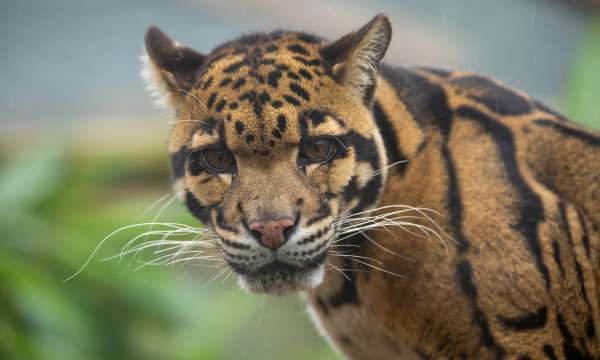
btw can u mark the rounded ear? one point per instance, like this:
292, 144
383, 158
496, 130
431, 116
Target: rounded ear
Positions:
355, 56
169, 68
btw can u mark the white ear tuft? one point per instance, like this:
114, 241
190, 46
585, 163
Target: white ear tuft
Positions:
155, 85
169, 68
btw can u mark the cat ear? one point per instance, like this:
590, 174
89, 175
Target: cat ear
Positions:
169, 68
355, 56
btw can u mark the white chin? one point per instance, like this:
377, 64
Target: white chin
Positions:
273, 284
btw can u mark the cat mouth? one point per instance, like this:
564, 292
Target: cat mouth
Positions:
280, 278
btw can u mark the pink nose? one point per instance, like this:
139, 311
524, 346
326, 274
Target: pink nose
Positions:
271, 231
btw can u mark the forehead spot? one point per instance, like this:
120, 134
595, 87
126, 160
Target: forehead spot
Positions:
292, 75
211, 100
281, 122
225, 82
264, 97
298, 49
207, 83
236, 66
220, 105
305, 74
313, 62
238, 83
291, 100
273, 78
239, 127
299, 90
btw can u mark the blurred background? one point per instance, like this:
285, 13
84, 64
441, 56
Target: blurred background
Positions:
83, 152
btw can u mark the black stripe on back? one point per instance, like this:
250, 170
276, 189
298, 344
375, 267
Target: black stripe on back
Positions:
465, 279
578, 270
495, 97
570, 350
425, 100
549, 351
529, 321
530, 205
586, 137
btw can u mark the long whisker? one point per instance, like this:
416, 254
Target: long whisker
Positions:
369, 265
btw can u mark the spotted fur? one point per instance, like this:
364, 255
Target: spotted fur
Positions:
516, 187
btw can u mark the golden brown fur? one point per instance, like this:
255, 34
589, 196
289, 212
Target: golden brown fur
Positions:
514, 186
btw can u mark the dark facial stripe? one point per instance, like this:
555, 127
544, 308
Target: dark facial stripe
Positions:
324, 212
579, 134
390, 140
196, 208
465, 279
530, 206
235, 245
220, 222
530, 321
178, 160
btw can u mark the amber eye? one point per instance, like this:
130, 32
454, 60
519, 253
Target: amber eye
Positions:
217, 161
317, 151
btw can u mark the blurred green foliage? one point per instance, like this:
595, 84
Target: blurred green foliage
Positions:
58, 203
61, 206
583, 83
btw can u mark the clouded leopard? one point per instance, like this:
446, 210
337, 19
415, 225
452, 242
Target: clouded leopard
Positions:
422, 213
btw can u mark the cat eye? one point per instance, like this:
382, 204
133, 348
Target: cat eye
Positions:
217, 161
318, 151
